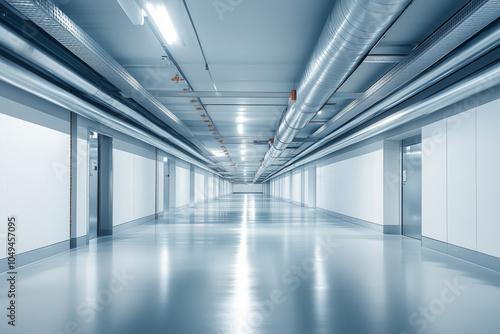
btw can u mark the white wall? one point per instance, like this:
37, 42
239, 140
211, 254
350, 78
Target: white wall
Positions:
161, 185
34, 173
133, 181
182, 184
488, 179
461, 169
199, 187
210, 187
434, 182
297, 187
285, 187
354, 186
308, 195
248, 188
460, 180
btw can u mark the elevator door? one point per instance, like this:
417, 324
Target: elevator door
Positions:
412, 190
93, 184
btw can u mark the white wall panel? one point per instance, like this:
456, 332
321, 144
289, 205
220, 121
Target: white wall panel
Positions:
199, 187
434, 181
325, 185
144, 182
286, 187
488, 179
133, 181
353, 187
307, 191
210, 187
161, 185
248, 188
123, 183
359, 187
462, 179
296, 187
35, 175
182, 185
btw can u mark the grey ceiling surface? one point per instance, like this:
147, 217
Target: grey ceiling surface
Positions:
256, 52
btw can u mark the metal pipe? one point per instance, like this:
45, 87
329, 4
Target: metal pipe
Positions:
21, 78
466, 23
475, 84
483, 43
352, 29
29, 52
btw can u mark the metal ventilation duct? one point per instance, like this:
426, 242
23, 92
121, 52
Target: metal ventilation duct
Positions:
19, 46
470, 20
476, 84
46, 15
486, 41
352, 29
23, 79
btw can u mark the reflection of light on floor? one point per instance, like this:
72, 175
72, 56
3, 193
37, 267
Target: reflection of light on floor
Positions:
164, 271
321, 287
92, 284
242, 284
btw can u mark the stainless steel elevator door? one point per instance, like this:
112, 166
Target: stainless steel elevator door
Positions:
93, 185
412, 191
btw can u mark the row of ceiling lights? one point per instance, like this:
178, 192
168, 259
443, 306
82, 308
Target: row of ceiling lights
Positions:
214, 131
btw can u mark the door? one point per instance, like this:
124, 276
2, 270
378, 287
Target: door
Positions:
93, 185
412, 188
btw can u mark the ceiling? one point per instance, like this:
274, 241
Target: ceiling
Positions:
256, 52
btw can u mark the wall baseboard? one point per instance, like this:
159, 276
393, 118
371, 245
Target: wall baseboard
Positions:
481, 259
77, 242
349, 219
36, 255
133, 223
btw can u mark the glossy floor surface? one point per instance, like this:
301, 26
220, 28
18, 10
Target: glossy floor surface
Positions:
249, 264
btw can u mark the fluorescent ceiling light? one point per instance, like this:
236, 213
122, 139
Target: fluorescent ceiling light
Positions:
240, 119
165, 159
243, 152
240, 128
218, 153
162, 21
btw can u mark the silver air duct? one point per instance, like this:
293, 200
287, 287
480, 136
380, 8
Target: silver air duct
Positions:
467, 22
480, 82
23, 79
352, 29
26, 50
486, 41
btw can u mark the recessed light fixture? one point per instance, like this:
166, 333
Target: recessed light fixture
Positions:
165, 159
162, 22
240, 119
240, 128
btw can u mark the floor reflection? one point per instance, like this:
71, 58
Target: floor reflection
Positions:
250, 264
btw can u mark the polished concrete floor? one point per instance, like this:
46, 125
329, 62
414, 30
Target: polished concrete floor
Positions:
249, 264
